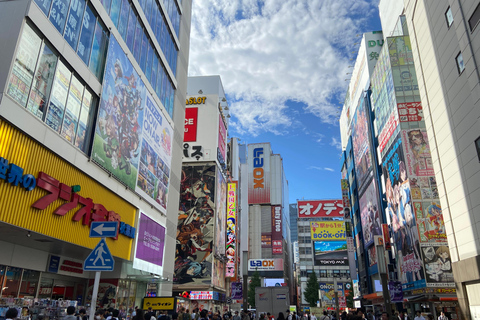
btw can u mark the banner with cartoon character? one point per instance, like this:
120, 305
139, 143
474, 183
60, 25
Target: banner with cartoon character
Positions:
218, 277
327, 291
195, 229
118, 134
370, 214
438, 266
401, 217
221, 214
231, 230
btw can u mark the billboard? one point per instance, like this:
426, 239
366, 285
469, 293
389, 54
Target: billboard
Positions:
266, 240
277, 238
150, 245
328, 253
259, 173
195, 229
328, 230
327, 291
218, 276
191, 121
231, 229
370, 214
265, 264
401, 216
438, 266
320, 208
133, 139
221, 214
417, 153
222, 141
237, 290
361, 144
345, 198
410, 111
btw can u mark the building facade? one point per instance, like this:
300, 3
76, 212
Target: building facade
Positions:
91, 108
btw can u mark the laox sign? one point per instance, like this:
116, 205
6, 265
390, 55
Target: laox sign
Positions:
261, 263
258, 172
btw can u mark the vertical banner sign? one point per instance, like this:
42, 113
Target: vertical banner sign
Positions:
386, 237
231, 230
259, 173
222, 141
191, 120
345, 199
277, 246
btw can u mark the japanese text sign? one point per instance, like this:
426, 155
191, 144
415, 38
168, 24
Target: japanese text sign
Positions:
277, 247
191, 120
328, 230
231, 231
320, 208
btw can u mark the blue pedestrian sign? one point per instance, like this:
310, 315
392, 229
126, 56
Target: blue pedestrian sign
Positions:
104, 229
100, 259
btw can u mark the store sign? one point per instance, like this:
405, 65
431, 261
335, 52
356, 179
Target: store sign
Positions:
258, 172
332, 262
13, 174
328, 230
320, 208
159, 303
71, 266
266, 240
277, 242
191, 122
88, 212
201, 295
410, 111
195, 100
265, 264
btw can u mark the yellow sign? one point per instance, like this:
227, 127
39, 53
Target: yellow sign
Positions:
56, 220
159, 303
195, 100
328, 230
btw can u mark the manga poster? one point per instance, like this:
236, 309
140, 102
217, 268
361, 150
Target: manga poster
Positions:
221, 214
370, 214
195, 229
327, 291
400, 215
417, 152
118, 133
155, 155
438, 266
361, 144
218, 277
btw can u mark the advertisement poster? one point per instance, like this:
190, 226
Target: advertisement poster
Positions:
328, 230
370, 215
410, 111
431, 228
221, 214
401, 216
372, 256
266, 240
222, 140
196, 225
118, 134
191, 120
395, 290
107, 291
417, 153
320, 208
218, 277
231, 229
150, 240
361, 144
438, 266
237, 291
155, 155
330, 253
327, 291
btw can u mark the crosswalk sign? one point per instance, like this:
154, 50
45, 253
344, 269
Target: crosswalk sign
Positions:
100, 259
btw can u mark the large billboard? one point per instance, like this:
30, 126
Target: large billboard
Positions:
133, 139
401, 217
277, 227
259, 173
150, 245
328, 231
361, 145
231, 245
320, 208
265, 265
438, 266
221, 214
196, 225
330, 253
370, 213
327, 292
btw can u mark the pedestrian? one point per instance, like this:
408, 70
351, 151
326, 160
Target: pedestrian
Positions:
12, 314
419, 316
384, 316
236, 316
139, 315
203, 314
442, 316
280, 316
82, 314
289, 315
70, 314
313, 317
187, 315
325, 316
148, 315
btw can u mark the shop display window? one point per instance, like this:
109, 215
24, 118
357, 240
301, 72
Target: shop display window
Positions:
58, 97
72, 112
11, 281
45, 290
28, 287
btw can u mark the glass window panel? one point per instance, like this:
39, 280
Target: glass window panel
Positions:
84, 123
106, 4
158, 27
44, 5
158, 86
58, 97
132, 21
46, 285
142, 4
149, 62
143, 55
29, 284
154, 70
99, 48
115, 11
74, 22
153, 15
86, 37
123, 22
24, 66
148, 10
11, 286
164, 89
138, 42
58, 14
70, 121
42, 83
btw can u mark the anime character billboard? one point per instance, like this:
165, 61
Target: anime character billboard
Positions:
438, 266
370, 214
118, 134
221, 214
195, 229
361, 144
401, 217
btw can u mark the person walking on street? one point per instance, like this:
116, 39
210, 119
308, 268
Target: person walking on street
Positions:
442, 316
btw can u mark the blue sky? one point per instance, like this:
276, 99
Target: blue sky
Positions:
283, 65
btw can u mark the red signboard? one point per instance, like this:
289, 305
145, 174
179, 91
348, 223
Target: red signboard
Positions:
387, 131
320, 208
277, 242
191, 120
386, 237
410, 111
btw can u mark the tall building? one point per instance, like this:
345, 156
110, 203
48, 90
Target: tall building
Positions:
91, 114
445, 37
205, 260
268, 215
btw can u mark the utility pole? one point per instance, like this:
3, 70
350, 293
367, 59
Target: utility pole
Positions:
245, 280
382, 269
336, 297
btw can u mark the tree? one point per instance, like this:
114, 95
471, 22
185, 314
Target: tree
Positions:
311, 293
254, 282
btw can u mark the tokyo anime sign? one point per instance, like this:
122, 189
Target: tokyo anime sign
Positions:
320, 208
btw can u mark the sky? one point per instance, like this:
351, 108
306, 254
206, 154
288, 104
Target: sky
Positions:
284, 65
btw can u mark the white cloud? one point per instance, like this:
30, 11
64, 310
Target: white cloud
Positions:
336, 143
329, 169
320, 168
269, 52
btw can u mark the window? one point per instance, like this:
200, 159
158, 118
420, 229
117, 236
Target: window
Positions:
477, 145
449, 17
460, 65
474, 19
52, 92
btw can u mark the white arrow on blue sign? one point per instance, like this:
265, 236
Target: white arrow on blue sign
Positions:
104, 229
100, 259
